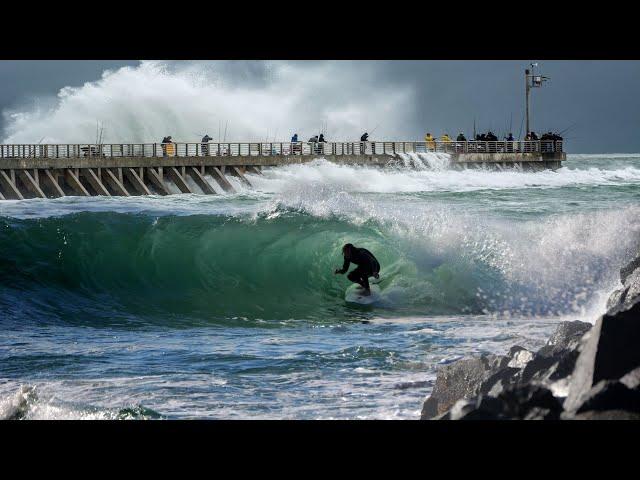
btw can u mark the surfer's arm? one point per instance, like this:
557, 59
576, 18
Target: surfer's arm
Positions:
344, 268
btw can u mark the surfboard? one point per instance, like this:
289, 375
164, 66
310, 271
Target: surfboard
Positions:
354, 294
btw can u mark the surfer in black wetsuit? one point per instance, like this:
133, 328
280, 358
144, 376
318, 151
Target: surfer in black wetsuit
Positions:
368, 266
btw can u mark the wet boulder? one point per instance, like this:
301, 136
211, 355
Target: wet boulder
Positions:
629, 268
549, 365
566, 336
625, 297
519, 357
461, 379
614, 395
492, 376
609, 353
517, 402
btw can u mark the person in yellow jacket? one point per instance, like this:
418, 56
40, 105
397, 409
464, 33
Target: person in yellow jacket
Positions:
431, 142
446, 141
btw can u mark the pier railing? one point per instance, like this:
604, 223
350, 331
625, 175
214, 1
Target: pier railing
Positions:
271, 148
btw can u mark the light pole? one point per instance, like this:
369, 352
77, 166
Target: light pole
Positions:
531, 80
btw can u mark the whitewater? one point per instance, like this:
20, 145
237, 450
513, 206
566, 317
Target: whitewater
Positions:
226, 306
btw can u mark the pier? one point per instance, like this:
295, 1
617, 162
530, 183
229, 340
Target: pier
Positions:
50, 171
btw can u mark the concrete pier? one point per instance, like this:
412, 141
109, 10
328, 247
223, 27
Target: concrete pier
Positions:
41, 171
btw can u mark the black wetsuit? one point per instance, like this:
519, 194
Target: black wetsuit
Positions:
368, 266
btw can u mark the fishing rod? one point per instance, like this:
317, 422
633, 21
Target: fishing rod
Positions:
375, 128
225, 132
568, 128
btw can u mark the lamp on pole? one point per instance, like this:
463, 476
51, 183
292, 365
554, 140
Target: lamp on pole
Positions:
531, 81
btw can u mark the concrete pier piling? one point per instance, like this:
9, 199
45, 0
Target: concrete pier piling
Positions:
51, 171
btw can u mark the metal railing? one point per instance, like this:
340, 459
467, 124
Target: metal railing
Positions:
271, 149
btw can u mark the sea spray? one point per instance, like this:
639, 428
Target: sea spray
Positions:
143, 104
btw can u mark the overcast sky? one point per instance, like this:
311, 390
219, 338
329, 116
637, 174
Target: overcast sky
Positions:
600, 98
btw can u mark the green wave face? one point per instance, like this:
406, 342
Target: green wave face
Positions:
108, 267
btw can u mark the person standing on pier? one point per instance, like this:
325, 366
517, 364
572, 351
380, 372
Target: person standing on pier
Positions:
510, 140
205, 145
314, 141
363, 142
165, 142
295, 147
431, 142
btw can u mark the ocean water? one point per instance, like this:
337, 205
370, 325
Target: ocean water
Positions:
197, 306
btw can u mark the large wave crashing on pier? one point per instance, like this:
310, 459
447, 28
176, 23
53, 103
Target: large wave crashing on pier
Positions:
188, 99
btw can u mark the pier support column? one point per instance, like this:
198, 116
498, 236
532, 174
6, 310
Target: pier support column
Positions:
156, 179
219, 177
95, 182
178, 179
200, 180
74, 181
8, 182
50, 179
31, 183
238, 173
115, 182
253, 169
136, 181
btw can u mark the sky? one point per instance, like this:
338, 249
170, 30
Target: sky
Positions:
597, 101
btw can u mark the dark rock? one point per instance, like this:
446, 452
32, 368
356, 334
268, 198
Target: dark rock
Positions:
629, 268
499, 380
491, 374
461, 379
518, 357
521, 402
611, 351
626, 296
605, 415
615, 395
480, 408
616, 299
550, 369
566, 336
557, 358
611, 395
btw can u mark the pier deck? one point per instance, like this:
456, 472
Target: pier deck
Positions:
29, 171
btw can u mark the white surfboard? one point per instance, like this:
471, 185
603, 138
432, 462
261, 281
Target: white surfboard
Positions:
354, 294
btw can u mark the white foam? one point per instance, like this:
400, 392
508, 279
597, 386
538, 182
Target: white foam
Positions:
432, 176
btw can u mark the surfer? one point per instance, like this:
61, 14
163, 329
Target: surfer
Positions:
368, 266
